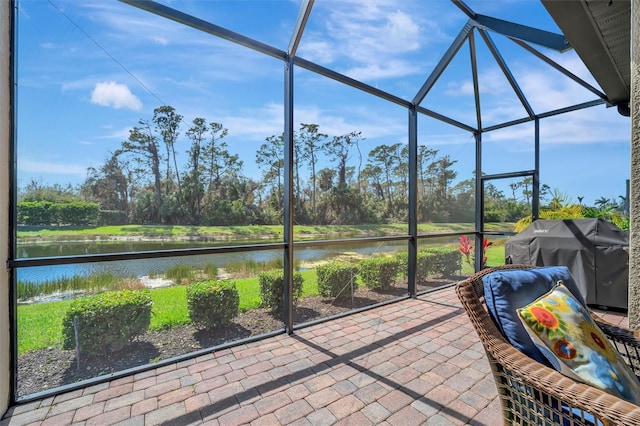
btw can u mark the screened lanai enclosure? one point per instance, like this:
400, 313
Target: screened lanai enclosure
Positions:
195, 175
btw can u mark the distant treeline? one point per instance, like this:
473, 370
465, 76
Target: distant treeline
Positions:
333, 182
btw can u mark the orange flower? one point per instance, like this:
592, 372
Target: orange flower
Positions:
545, 317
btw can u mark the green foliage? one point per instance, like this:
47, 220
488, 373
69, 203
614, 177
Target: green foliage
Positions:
40, 324
402, 259
336, 279
49, 213
607, 211
35, 213
210, 270
443, 260
210, 187
574, 211
56, 193
180, 273
251, 267
425, 265
212, 303
272, 288
92, 284
107, 322
378, 272
112, 217
431, 261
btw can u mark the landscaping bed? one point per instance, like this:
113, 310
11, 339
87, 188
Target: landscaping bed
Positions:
45, 369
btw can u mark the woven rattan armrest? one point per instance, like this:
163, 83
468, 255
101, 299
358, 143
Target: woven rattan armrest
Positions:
532, 393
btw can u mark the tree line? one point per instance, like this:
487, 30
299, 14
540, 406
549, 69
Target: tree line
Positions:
143, 182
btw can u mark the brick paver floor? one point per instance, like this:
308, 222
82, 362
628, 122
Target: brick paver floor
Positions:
414, 362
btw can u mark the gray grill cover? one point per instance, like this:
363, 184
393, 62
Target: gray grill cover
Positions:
594, 250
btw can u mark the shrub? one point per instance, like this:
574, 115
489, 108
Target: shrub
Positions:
48, 213
107, 321
336, 279
445, 261
424, 266
212, 303
378, 272
272, 288
402, 259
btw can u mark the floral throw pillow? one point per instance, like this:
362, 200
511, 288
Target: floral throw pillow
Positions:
566, 334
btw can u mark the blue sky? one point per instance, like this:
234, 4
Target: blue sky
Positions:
88, 71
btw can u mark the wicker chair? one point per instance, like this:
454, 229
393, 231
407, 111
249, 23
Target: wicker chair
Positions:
532, 393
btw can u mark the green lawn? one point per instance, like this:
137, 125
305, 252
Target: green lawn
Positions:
249, 232
40, 325
495, 257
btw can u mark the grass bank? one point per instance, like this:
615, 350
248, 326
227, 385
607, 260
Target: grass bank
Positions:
232, 233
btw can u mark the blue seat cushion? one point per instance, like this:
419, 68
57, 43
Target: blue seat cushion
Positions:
507, 290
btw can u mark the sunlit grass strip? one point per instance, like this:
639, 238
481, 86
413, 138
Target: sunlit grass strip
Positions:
266, 232
40, 326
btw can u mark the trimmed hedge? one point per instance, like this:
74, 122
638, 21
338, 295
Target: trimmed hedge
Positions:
402, 258
445, 261
272, 288
378, 272
48, 213
424, 266
431, 261
335, 279
107, 322
212, 303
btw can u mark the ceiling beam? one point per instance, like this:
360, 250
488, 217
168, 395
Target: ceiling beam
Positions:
522, 32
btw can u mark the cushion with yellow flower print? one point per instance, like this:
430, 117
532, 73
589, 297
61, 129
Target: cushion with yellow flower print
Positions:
568, 337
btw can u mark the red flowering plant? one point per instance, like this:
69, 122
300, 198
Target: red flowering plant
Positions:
466, 248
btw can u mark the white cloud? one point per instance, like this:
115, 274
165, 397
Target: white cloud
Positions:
118, 134
459, 88
115, 95
588, 126
377, 39
390, 69
317, 51
256, 123
45, 167
160, 40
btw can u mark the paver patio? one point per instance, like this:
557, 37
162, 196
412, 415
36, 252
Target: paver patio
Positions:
414, 362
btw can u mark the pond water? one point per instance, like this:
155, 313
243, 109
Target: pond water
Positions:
145, 267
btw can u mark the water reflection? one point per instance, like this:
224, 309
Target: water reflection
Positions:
143, 267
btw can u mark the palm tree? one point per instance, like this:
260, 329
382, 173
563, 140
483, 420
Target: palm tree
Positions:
602, 202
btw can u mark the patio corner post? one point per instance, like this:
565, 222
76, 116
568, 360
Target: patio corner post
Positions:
288, 196
535, 200
6, 130
634, 192
479, 220
413, 200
